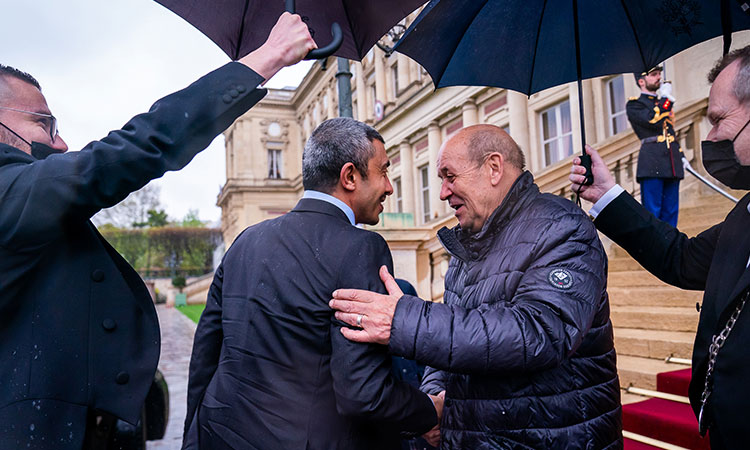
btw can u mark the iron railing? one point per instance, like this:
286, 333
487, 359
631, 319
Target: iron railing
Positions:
716, 188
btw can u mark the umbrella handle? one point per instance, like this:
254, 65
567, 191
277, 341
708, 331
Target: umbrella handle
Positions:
328, 50
586, 163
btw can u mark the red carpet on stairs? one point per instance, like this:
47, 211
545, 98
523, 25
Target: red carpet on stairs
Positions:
664, 420
674, 382
635, 445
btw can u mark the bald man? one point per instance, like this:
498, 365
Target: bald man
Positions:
522, 348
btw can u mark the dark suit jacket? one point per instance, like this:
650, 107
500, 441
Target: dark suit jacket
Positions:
78, 329
270, 368
647, 116
715, 260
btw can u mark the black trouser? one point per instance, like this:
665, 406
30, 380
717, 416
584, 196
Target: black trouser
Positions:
715, 436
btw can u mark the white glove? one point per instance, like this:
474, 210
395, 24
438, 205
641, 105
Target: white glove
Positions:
666, 90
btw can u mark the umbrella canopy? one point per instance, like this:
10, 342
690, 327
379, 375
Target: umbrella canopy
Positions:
530, 45
240, 26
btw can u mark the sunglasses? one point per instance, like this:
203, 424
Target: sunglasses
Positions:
52, 121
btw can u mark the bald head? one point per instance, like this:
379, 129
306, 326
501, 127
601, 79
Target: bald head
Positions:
482, 140
478, 167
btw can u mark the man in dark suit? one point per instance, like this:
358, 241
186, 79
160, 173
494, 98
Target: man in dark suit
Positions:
715, 261
270, 369
660, 161
79, 336
410, 371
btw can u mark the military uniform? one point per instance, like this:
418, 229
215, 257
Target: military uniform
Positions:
660, 159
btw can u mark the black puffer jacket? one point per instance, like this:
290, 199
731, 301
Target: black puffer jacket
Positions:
523, 342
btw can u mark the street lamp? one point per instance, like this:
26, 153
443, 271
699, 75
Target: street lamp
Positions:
388, 41
344, 75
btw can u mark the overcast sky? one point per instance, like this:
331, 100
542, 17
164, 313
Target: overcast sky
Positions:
100, 62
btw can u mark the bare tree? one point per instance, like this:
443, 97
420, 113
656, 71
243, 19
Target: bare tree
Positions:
133, 211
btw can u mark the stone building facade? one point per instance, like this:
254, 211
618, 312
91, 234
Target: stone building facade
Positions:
396, 96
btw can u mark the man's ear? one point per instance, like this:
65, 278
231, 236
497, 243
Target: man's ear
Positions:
348, 177
496, 165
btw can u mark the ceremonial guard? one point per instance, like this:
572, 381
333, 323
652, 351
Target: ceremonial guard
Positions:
660, 159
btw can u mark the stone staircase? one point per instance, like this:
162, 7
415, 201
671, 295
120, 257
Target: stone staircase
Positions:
652, 320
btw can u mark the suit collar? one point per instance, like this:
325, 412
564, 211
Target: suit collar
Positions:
320, 206
10, 154
332, 200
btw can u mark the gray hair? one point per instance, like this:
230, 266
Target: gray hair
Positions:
332, 144
741, 88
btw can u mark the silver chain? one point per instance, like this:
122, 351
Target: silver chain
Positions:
717, 342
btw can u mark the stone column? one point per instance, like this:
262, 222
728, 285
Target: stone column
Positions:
404, 76
575, 117
407, 179
469, 113
434, 141
518, 107
599, 120
229, 150
414, 69
380, 87
592, 135
361, 93
331, 103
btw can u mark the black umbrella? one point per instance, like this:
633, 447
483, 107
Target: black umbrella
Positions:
531, 45
240, 26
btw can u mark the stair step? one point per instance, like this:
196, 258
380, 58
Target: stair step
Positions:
630, 444
633, 278
654, 296
641, 372
695, 193
623, 263
704, 217
707, 198
674, 382
655, 318
713, 205
615, 251
691, 229
664, 420
656, 344
626, 398
651, 322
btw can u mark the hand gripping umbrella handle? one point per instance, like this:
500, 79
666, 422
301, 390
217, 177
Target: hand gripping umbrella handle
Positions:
320, 53
586, 163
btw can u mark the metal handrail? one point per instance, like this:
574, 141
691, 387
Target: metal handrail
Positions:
675, 360
650, 441
716, 188
657, 394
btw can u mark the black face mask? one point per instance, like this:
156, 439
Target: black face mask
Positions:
38, 150
721, 162
41, 151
